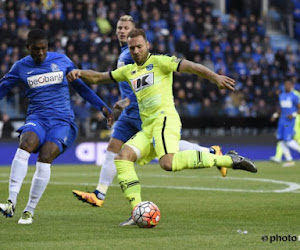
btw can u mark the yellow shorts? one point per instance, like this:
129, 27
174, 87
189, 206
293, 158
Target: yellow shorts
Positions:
157, 139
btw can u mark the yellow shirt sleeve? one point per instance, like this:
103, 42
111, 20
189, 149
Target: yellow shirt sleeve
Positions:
119, 74
169, 63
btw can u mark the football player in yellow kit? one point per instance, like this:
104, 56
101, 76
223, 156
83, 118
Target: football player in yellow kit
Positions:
151, 79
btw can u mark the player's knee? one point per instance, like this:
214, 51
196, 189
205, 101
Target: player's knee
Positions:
122, 156
166, 163
126, 154
45, 157
29, 145
48, 152
166, 166
114, 145
113, 148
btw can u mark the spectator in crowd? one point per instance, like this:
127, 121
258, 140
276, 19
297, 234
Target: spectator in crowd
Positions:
82, 115
7, 127
236, 44
99, 126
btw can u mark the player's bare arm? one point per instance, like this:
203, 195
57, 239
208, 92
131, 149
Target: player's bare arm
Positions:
223, 82
90, 76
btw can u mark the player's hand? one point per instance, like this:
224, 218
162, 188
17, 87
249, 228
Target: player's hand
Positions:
73, 75
109, 117
121, 104
225, 82
290, 116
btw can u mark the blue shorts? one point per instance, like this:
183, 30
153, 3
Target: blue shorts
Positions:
126, 127
285, 132
62, 133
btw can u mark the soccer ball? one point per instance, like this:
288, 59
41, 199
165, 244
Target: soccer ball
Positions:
146, 214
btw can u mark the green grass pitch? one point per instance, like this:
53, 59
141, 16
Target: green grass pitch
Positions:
199, 210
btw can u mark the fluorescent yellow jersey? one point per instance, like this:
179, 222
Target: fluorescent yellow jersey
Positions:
297, 122
152, 84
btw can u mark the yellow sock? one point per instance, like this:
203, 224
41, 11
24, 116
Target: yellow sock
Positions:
194, 159
278, 154
129, 181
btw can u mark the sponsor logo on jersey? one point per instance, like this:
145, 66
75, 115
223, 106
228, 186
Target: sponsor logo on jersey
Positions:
120, 64
54, 67
149, 67
142, 81
45, 79
286, 103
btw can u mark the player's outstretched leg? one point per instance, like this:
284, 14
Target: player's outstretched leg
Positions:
7, 209
185, 145
88, 197
192, 159
241, 162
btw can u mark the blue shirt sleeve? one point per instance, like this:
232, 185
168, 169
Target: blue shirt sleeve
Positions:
69, 65
9, 81
85, 92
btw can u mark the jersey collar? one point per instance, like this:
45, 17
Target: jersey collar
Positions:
146, 59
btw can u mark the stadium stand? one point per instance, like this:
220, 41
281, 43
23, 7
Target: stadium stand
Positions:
236, 43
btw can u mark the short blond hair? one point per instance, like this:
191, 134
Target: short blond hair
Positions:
126, 18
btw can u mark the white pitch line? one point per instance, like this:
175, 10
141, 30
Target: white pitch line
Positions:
292, 187
66, 174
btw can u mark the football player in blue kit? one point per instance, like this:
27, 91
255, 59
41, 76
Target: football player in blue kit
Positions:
128, 124
49, 128
289, 103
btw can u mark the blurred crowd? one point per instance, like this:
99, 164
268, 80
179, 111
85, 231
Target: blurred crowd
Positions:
235, 44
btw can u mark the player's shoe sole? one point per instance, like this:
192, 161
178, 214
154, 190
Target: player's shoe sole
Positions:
128, 222
26, 218
241, 162
87, 197
218, 151
7, 209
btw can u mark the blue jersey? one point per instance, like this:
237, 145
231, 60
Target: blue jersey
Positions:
46, 86
288, 104
132, 110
